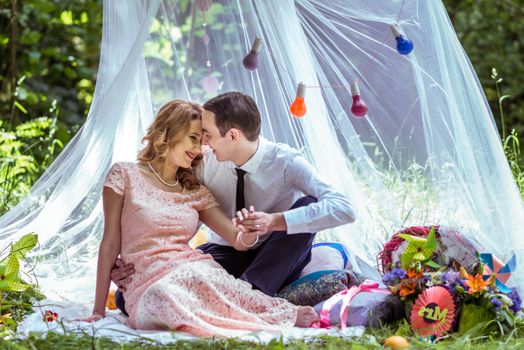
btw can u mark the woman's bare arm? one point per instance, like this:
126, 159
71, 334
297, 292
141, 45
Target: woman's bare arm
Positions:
215, 219
109, 249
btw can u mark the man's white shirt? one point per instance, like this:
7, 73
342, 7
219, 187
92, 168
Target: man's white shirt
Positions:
276, 177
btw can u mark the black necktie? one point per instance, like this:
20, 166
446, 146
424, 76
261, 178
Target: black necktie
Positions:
240, 188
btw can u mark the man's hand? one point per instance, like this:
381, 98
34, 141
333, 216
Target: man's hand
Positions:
258, 222
121, 274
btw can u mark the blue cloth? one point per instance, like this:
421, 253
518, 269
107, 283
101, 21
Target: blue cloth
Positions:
338, 246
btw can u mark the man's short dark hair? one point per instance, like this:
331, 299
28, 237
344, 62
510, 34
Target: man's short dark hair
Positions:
235, 110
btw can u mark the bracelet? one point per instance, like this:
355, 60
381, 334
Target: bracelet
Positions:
240, 234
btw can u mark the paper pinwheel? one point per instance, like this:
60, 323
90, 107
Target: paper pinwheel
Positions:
501, 273
434, 312
9, 267
9, 279
419, 249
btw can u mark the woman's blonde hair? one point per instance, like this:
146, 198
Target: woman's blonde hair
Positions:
169, 127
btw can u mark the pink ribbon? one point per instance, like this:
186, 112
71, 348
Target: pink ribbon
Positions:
345, 296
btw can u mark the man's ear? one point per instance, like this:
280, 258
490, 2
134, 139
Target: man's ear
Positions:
234, 135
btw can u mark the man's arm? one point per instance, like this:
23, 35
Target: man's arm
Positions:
331, 209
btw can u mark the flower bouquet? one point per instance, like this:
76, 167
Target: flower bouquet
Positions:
440, 294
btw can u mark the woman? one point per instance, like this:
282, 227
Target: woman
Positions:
151, 211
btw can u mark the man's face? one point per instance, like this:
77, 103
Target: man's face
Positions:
222, 146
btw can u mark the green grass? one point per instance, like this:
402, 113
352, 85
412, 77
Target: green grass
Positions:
372, 339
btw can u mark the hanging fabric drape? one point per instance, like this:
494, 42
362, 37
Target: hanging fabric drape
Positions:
427, 152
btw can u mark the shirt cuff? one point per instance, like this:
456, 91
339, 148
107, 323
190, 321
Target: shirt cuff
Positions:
296, 221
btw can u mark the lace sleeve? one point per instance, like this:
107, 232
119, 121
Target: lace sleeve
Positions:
205, 199
115, 179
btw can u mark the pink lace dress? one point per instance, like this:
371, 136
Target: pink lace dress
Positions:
175, 286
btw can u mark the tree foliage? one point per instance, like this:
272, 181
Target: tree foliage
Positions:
55, 45
491, 33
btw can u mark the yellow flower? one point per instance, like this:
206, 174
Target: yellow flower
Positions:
463, 272
4, 318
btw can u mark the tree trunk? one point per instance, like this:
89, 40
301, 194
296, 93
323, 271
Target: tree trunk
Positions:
12, 67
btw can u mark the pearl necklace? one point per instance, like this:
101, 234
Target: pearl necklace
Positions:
162, 180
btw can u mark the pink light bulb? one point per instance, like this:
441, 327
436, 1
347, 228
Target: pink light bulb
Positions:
203, 5
358, 108
210, 84
251, 60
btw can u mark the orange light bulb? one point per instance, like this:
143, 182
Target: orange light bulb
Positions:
298, 107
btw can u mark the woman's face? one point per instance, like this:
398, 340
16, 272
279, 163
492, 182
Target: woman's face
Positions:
184, 151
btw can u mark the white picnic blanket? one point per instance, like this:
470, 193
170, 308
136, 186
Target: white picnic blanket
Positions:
114, 326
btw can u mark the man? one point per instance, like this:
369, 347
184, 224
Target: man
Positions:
242, 169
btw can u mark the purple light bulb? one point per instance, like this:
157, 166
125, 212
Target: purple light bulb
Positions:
251, 60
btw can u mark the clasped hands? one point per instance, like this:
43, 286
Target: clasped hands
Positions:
252, 224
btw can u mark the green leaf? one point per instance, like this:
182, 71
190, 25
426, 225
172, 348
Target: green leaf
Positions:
66, 17
502, 98
432, 264
20, 107
84, 18
24, 244
473, 319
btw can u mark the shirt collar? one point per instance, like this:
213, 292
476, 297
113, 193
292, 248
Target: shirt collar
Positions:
254, 162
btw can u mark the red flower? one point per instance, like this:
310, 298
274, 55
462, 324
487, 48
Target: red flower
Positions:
50, 316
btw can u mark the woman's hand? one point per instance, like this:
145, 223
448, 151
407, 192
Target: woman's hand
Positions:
96, 316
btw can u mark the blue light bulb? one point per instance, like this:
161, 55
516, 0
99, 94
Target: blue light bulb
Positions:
404, 45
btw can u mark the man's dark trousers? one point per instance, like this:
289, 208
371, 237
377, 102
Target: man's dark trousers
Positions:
278, 261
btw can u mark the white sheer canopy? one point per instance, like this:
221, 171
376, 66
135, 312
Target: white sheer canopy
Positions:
427, 152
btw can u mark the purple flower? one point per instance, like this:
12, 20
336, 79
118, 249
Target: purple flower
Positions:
394, 276
517, 302
497, 304
426, 279
451, 278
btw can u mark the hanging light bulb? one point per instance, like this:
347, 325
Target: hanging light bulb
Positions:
358, 108
210, 84
404, 45
298, 107
203, 5
205, 39
251, 60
